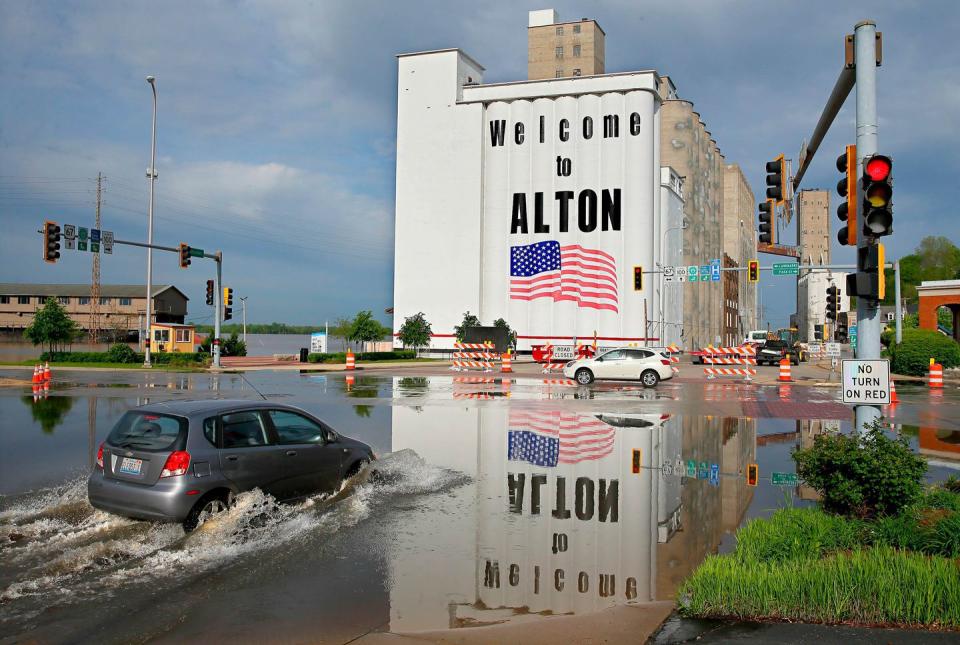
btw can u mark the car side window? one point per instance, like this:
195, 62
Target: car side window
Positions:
639, 354
294, 428
210, 430
616, 355
243, 430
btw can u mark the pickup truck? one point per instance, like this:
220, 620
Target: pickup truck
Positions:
773, 351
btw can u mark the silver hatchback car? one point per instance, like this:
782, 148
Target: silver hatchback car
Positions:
179, 461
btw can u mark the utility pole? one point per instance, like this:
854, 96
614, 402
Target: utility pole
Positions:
868, 316
243, 301
152, 175
899, 305
218, 314
95, 280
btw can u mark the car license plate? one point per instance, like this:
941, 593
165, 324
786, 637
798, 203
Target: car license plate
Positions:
130, 466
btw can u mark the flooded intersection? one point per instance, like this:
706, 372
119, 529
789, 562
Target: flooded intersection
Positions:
496, 501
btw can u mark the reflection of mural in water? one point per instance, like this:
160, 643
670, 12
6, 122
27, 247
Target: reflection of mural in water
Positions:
572, 512
49, 412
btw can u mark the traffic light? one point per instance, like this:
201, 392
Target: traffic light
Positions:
877, 196
842, 329
209, 293
227, 303
777, 179
638, 278
184, 255
767, 215
753, 474
818, 332
847, 187
753, 271
833, 302
51, 241
869, 281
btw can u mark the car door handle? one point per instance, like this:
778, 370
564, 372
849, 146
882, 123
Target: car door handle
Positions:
231, 457
291, 453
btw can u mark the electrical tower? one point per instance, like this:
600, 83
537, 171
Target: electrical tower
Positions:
95, 281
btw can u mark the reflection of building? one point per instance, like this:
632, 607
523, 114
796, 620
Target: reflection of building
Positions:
556, 49
940, 444
122, 306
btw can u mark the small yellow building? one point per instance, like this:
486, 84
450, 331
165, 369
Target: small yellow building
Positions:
172, 337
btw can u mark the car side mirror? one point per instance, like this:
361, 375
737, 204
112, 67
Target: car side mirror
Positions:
332, 437
599, 359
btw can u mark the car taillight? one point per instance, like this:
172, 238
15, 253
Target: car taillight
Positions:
177, 464
664, 362
100, 456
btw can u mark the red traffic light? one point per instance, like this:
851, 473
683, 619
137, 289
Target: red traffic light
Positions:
878, 168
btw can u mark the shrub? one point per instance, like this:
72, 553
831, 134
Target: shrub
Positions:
341, 357
912, 356
930, 526
157, 358
862, 476
120, 353
792, 533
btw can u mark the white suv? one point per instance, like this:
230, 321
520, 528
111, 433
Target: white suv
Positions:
646, 365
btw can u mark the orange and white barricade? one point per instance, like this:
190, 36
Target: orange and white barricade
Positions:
785, 371
473, 356
741, 356
506, 363
549, 365
674, 357
351, 361
936, 375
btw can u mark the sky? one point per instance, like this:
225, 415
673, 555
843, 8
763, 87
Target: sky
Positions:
277, 124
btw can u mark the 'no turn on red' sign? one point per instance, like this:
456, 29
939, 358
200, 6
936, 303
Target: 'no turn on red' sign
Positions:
866, 382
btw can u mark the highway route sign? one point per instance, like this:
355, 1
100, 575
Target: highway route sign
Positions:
681, 274
785, 479
69, 231
866, 381
786, 268
668, 274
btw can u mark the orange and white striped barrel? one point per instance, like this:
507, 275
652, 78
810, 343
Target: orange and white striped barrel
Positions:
936, 375
506, 363
351, 362
46, 372
785, 371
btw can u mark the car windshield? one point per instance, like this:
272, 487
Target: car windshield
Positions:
147, 431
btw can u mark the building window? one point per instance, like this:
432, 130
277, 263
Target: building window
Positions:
183, 335
576, 71
83, 300
161, 335
4, 300
124, 302
576, 29
41, 300
23, 300
104, 301
63, 300
576, 51
558, 52
559, 31
559, 73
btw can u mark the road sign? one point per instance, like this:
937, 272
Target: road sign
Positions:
692, 272
681, 274
69, 232
785, 479
715, 270
832, 349
691, 468
704, 471
866, 382
786, 268
704, 272
82, 234
714, 473
70, 243
107, 237
81, 245
815, 349
94, 247
94, 234
668, 274
107, 248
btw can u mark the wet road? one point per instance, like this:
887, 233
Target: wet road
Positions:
504, 501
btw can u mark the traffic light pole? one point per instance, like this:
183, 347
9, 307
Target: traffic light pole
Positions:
868, 317
218, 313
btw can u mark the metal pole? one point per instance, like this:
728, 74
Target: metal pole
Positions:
899, 308
868, 318
218, 313
152, 175
243, 301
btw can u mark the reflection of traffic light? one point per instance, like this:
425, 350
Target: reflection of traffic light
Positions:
847, 187
753, 474
833, 302
877, 195
51, 241
227, 303
210, 293
766, 227
753, 271
636, 461
184, 255
638, 278
777, 179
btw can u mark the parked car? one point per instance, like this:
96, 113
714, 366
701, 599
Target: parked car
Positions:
181, 461
643, 364
773, 351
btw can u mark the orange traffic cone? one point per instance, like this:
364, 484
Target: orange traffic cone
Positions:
46, 373
893, 393
785, 371
36, 374
351, 363
506, 366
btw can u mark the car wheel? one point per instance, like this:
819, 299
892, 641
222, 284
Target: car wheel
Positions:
208, 506
584, 376
649, 378
357, 467
795, 360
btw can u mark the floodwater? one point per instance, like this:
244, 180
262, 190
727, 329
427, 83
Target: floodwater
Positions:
499, 501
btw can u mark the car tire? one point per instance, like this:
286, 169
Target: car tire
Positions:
649, 378
356, 467
207, 506
584, 376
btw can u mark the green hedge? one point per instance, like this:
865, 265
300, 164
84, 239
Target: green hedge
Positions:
341, 357
157, 358
912, 356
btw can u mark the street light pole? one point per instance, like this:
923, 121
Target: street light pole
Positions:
243, 301
684, 223
152, 175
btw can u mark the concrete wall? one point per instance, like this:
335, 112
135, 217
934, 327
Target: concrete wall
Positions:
542, 43
814, 207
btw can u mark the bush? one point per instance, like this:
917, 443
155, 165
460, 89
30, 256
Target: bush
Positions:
792, 533
341, 357
931, 526
157, 358
120, 353
912, 356
867, 475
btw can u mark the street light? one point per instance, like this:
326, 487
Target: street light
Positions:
243, 301
684, 224
152, 175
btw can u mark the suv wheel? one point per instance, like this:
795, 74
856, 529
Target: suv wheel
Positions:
584, 376
649, 378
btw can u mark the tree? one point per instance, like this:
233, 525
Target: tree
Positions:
415, 332
500, 323
52, 326
364, 329
935, 258
469, 320
341, 329
233, 346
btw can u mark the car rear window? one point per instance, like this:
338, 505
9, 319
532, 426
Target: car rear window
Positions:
147, 431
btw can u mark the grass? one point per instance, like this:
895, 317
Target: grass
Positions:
119, 366
805, 564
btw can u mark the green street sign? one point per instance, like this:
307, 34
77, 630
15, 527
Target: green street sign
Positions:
94, 247
82, 245
785, 479
691, 468
786, 268
196, 253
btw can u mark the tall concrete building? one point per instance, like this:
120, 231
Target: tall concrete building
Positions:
814, 207
740, 243
560, 49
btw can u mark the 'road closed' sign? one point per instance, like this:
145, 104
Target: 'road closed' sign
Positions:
866, 382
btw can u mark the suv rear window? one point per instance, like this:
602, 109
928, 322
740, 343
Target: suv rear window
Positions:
147, 431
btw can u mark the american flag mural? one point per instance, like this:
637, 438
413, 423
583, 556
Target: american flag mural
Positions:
571, 272
551, 438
